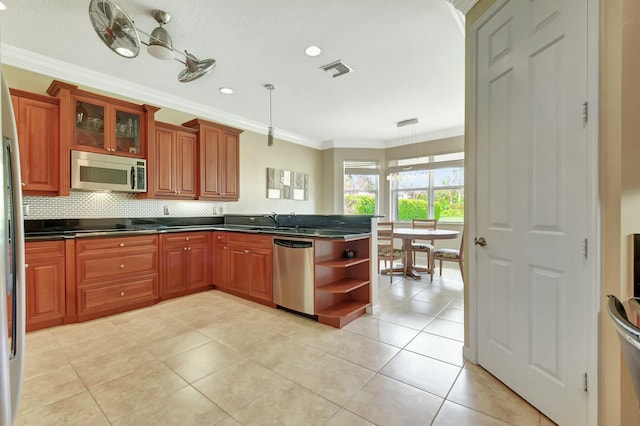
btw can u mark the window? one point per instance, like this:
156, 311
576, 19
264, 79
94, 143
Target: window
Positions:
361, 183
428, 187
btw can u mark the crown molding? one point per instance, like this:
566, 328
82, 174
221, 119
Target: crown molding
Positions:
426, 137
30, 61
463, 6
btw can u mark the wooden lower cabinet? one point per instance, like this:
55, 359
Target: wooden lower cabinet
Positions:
45, 284
185, 262
249, 265
115, 274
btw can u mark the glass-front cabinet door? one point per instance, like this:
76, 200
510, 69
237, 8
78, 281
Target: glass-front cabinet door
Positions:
106, 128
90, 119
128, 127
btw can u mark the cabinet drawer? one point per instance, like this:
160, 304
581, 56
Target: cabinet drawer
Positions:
96, 268
250, 240
182, 238
44, 249
115, 245
220, 237
101, 297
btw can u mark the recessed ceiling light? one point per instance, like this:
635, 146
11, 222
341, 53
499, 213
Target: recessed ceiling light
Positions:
2, 6
312, 51
226, 90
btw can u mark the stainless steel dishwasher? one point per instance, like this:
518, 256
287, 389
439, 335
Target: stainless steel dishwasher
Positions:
293, 274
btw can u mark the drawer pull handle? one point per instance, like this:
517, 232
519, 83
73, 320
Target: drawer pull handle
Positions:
121, 293
121, 244
122, 266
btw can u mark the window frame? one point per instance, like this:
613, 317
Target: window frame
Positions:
361, 168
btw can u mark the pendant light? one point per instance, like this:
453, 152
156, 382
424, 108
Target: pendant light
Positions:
270, 88
160, 43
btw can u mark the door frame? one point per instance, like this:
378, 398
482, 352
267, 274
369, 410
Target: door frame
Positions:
594, 286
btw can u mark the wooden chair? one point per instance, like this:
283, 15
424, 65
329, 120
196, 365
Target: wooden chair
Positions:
450, 255
424, 246
386, 251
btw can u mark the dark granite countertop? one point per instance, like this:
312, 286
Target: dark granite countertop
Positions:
309, 226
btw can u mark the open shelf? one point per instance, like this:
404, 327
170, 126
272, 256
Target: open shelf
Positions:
342, 309
343, 262
343, 286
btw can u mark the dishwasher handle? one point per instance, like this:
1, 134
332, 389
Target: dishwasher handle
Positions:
294, 244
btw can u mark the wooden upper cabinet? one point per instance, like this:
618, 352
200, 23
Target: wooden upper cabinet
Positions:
173, 162
219, 152
96, 123
37, 120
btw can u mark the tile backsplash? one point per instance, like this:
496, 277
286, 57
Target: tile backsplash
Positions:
83, 205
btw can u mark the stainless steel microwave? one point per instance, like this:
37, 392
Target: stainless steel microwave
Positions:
95, 172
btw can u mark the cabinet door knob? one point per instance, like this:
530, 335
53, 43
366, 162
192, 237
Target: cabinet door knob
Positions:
26, 265
187, 239
121, 293
246, 252
188, 248
185, 249
121, 244
122, 266
23, 184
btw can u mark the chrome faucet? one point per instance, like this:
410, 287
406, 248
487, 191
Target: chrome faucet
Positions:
274, 217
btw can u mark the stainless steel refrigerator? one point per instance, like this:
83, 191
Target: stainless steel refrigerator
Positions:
12, 268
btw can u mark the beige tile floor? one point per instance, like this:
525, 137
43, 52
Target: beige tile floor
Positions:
214, 359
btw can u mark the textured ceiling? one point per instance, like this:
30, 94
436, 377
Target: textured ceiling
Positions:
407, 56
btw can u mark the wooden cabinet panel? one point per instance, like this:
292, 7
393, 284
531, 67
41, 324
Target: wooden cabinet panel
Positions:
219, 154
187, 163
229, 179
165, 175
115, 266
37, 119
220, 260
259, 264
185, 262
115, 274
103, 297
244, 264
197, 260
173, 270
172, 171
45, 284
236, 279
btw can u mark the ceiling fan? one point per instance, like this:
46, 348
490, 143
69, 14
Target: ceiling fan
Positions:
119, 33
114, 27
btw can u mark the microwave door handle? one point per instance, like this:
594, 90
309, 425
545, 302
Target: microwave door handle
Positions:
133, 178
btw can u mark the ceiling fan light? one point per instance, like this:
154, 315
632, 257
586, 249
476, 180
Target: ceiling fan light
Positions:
160, 44
195, 68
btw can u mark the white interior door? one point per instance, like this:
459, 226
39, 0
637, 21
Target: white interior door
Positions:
531, 170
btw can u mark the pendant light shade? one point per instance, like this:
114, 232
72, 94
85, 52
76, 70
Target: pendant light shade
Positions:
160, 43
270, 88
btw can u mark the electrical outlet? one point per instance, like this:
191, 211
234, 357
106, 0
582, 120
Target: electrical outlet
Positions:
220, 210
166, 210
26, 209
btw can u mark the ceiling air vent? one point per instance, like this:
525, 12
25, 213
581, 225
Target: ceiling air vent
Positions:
338, 67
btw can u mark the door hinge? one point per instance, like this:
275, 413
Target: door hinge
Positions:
585, 383
585, 113
585, 248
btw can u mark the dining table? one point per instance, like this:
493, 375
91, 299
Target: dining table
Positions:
407, 235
